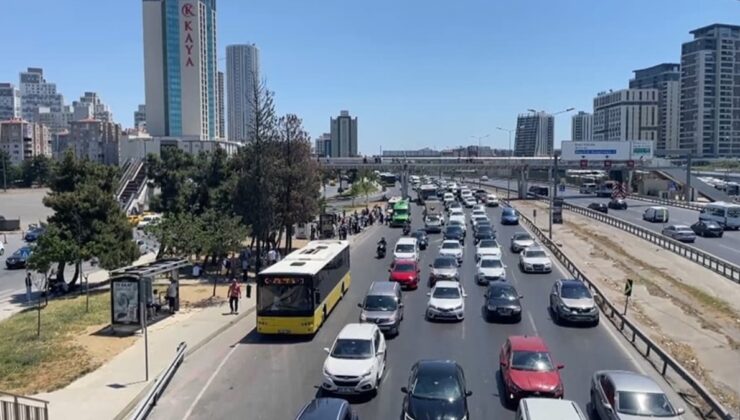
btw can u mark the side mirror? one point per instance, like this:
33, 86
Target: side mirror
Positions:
504, 364
429, 293
389, 270
404, 390
465, 295
560, 366
680, 411
430, 265
468, 393
326, 349
359, 304
381, 352
400, 305
521, 296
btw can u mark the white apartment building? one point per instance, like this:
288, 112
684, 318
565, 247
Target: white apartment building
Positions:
10, 102
627, 114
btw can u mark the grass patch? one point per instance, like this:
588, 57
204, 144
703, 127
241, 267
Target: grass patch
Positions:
30, 364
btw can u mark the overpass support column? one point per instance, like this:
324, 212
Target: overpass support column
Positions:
523, 180
405, 181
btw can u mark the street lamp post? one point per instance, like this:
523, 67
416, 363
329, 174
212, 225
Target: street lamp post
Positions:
508, 163
479, 146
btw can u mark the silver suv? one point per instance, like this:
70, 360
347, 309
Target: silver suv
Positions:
383, 306
444, 268
570, 300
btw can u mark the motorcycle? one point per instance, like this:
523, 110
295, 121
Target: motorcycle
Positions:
381, 251
406, 230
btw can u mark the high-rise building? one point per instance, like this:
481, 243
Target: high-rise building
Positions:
581, 127
666, 78
242, 79
10, 102
627, 114
37, 96
90, 106
98, 141
710, 92
23, 140
535, 134
140, 118
221, 130
343, 135
323, 145
180, 68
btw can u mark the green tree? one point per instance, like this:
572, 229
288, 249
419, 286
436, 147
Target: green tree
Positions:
367, 184
221, 234
171, 172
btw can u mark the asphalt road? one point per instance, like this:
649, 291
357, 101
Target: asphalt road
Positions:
727, 247
244, 375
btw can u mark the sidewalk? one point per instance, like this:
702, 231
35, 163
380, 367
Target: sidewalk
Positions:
117, 385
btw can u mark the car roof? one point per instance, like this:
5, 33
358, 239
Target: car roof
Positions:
382, 288
447, 283
322, 409
550, 408
508, 210
631, 381
496, 244
572, 283
528, 343
500, 285
408, 241
657, 208
362, 331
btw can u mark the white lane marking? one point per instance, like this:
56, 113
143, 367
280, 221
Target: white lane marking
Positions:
208, 383
531, 321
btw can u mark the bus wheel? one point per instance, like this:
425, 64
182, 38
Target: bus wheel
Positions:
344, 290
323, 315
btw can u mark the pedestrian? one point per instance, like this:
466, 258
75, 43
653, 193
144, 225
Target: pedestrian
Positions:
313, 232
172, 295
28, 287
245, 267
234, 294
271, 256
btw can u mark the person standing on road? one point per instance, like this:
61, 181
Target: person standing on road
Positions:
235, 293
28, 287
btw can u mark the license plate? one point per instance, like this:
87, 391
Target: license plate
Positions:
283, 331
504, 311
345, 390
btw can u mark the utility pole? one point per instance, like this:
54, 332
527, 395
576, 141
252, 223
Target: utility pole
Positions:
553, 173
5, 176
688, 194
508, 163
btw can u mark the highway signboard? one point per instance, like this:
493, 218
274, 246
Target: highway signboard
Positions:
607, 150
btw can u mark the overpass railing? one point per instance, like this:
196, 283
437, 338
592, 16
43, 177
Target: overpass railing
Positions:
667, 202
17, 407
649, 349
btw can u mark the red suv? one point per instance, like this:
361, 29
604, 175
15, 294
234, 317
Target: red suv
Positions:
528, 370
405, 272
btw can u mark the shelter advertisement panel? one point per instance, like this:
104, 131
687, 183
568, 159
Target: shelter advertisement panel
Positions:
125, 301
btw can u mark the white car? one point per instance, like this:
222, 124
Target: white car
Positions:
479, 208
470, 202
2, 248
454, 207
406, 249
484, 178
458, 222
456, 215
452, 248
487, 248
521, 240
492, 200
490, 269
356, 360
475, 220
534, 259
446, 301
448, 199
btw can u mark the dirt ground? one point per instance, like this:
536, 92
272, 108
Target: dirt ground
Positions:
693, 312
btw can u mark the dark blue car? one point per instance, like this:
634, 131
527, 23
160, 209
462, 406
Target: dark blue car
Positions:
19, 258
509, 216
327, 409
33, 234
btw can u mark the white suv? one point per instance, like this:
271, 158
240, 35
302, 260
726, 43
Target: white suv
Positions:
406, 249
356, 360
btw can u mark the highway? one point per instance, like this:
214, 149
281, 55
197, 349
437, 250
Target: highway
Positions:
727, 247
243, 375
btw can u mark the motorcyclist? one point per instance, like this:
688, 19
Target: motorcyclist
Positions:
381, 247
406, 227
382, 242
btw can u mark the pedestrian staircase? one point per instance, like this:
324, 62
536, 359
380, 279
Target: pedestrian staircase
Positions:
678, 175
133, 182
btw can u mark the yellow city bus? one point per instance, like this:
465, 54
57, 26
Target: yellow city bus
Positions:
295, 295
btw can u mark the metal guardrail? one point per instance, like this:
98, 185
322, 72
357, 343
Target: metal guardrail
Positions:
649, 348
18, 407
666, 202
718, 265
145, 406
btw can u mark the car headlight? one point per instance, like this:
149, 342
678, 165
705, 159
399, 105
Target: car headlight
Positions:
565, 308
407, 417
516, 309
363, 317
366, 374
326, 372
558, 388
457, 308
491, 307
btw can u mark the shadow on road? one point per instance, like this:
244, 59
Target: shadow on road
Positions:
253, 337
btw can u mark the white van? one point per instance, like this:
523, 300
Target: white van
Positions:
656, 215
547, 409
406, 249
726, 214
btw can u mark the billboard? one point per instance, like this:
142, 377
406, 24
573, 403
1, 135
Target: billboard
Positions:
639, 150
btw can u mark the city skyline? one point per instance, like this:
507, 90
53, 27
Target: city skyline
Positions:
404, 76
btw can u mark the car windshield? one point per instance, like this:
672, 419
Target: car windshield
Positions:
456, 222
535, 253
488, 243
23, 252
436, 386
491, 263
404, 268
405, 248
420, 234
506, 293
644, 404
380, 303
535, 361
453, 229
345, 348
284, 298
432, 219
400, 212
445, 263
570, 291
446, 293
485, 229
450, 245
522, 237
508, 212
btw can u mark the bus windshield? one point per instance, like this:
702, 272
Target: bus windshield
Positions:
284, 298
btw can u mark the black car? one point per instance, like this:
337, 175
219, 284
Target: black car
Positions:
484, 232
421, 238
483, 224
617, 204
33, 234
454, 232
480, 194
708, 228
503, 302
509, 216
19, 258
599, 207
327, 408
436, 390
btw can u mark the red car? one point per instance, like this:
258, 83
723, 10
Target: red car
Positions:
406, 273
527, 369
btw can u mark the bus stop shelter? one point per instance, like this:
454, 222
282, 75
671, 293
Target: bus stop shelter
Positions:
133, 301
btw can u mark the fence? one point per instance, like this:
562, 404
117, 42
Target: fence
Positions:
16, 407
650, 350
667, 202
150, 400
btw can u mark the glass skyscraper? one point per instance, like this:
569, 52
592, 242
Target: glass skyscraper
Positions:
180, 68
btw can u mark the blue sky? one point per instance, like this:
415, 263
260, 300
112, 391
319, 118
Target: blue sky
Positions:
416, 73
